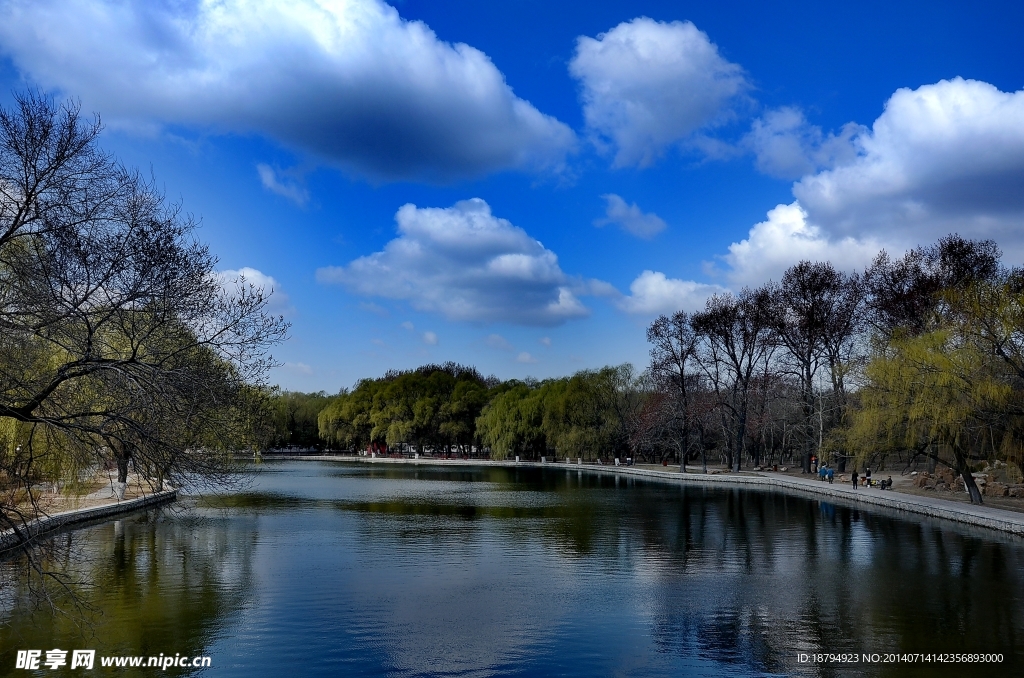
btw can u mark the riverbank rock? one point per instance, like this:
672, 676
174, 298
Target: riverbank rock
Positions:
924, 480
943, 480
996, 490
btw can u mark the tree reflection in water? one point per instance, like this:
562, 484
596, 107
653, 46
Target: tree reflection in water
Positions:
414, 570
162, 581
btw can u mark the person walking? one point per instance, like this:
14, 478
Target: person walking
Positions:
867, 476
855, 479
830, 474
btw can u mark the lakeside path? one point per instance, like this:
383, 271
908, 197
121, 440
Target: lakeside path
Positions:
55, 521
943, 509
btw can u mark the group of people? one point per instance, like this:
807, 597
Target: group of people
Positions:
866, 480
826, 473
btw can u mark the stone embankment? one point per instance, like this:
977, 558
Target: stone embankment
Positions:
55, 521
967, 514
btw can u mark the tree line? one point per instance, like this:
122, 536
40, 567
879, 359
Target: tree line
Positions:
919, 357
451, 409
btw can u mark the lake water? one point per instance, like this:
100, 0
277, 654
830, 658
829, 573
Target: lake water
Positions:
342, 569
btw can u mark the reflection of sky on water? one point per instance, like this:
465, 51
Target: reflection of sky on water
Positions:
566, 573
409, 571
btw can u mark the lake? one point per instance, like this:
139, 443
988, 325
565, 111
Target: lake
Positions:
321, 568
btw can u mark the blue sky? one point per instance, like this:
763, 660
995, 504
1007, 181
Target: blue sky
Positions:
524, 186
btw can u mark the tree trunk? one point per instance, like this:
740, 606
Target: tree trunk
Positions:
964, 469
734, 460
972, 487
122, 467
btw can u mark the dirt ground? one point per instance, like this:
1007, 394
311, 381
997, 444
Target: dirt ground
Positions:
97, 491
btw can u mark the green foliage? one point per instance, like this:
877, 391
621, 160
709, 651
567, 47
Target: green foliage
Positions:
934, 389
438, 408
589, 414
434, 406
951, 388
513, 423
294, 417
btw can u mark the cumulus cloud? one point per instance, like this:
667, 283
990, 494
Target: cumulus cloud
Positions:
646, 85
652, 293
278, 302
786, 238
351, 82
944, 157
786, 146
282, 186
525, 357
630, 218
546, 341
430, 338
947, 157
466, 264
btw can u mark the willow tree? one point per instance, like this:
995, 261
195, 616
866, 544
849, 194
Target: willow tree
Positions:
432, 406
512, 422
940, 395
119, 342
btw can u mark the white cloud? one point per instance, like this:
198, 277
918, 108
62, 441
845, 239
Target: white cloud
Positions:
942, 158
499, 342
406, 325
287, 188
525, 357
787, 147
351, 82
466, 264
647, 85
301, 368
430, 338
546, 341
277, 303
652, 293
630, 218
786, 238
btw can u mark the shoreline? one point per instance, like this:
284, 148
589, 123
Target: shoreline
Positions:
45, 524
1001, 520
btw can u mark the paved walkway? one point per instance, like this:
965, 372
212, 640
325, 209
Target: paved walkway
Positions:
55, 521
982, 516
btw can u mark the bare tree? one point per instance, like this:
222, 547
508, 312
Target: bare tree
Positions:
817, 311
738, 342
674, 345
118, 340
